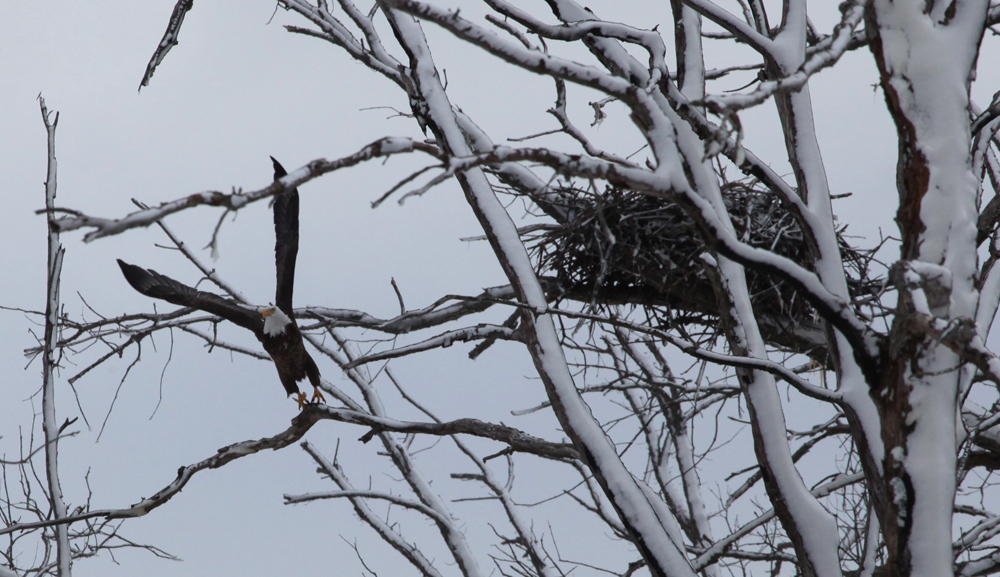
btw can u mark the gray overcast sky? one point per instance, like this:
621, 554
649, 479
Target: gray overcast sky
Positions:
236, 90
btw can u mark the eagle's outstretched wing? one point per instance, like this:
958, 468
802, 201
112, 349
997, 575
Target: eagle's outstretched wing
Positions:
286, 241
157, 286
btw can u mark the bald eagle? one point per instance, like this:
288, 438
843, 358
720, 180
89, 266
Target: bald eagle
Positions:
275, 327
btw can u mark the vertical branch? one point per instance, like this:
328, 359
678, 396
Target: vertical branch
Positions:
936, 274
795, 111
49, 425
690, 57
635, 507
811, 529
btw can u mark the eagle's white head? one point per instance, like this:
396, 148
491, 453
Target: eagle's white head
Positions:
275, 321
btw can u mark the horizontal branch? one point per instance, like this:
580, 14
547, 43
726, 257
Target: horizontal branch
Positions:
985, 565
137, 335
444, 340
236, 200
834, 46
426, 317
300, 425
36, 450
517, 440
214, 343
528, 59
291, 499
650, 40
777, 369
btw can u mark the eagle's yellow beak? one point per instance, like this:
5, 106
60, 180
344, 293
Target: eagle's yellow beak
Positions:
267, 313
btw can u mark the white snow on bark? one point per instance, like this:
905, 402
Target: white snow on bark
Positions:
625, 493
814, 523
929, 64
931, 461
929, 52
50, 426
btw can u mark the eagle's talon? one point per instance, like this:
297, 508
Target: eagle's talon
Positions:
301, 398
317, 397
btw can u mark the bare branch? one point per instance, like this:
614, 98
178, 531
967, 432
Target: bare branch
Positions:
300, 425
236, 200
445, 340
389, 534
169, 39
49, 356
517, 440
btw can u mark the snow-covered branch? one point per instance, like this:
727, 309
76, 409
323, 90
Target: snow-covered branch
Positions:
168, 41
235, 200
373, 55
300, 425
663, 293
657, 547
444, 340
516, 440
821, 56
532, 60
430, 316
355, 494
50, 356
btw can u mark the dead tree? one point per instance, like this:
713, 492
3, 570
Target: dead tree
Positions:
683, 288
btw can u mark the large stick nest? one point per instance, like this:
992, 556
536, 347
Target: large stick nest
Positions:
624, 247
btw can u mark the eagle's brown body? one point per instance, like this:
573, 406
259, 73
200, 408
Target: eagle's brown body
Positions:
275, 328
291, 358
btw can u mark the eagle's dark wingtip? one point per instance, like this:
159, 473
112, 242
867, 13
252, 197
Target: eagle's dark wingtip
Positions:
279, 170
127, 269
136, 276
